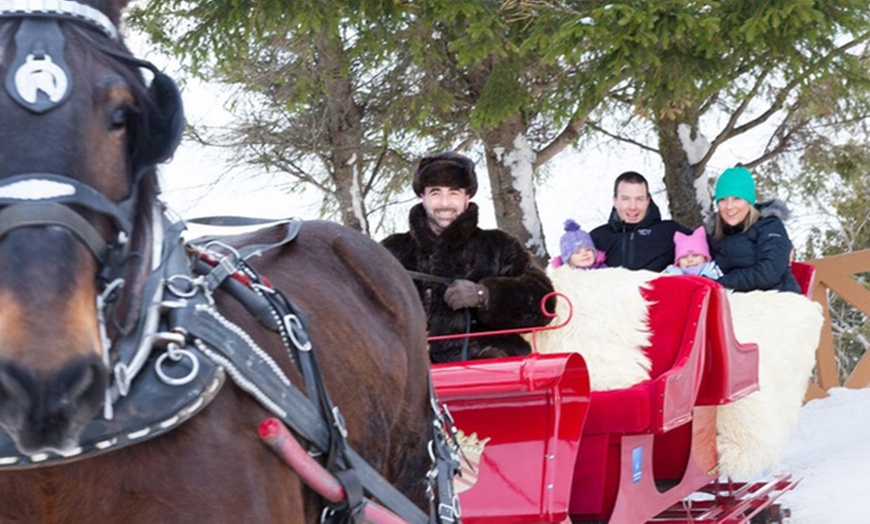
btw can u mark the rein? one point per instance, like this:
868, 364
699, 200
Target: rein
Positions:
465, 337
426, 277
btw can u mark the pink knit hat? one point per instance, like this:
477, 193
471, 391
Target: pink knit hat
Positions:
696, 243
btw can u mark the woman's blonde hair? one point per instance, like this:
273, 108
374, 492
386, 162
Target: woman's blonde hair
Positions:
751, 218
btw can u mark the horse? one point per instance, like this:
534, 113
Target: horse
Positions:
82, 231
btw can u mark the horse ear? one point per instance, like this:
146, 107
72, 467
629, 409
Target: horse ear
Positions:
166, 124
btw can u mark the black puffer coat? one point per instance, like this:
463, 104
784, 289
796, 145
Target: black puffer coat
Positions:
490, 257
649, 244
758, 258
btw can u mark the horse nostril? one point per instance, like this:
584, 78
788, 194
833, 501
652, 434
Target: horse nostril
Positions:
79, 384
10, 386
14, 397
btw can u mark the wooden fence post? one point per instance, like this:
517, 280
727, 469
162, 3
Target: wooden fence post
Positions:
835, 274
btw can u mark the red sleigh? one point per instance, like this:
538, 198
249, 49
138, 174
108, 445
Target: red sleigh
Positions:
544, 448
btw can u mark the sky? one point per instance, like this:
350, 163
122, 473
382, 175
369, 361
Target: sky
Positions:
829, 449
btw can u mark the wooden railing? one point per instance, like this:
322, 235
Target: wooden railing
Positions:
835, 274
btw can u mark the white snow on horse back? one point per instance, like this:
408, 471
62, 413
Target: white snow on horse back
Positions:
35, 189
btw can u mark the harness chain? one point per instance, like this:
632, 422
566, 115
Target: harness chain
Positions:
445, 463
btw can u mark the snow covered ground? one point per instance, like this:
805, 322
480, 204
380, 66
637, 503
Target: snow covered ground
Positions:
829, 451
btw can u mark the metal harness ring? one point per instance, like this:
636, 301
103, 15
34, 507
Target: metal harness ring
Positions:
176, 354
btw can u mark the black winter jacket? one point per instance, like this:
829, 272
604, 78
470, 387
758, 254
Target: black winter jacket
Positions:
649, 244
758, 258
493, 258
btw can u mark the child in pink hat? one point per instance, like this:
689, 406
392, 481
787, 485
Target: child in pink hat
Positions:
692, 256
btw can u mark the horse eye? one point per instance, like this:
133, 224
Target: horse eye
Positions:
119, 118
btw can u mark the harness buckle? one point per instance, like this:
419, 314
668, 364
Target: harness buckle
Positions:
293, 324
184, 286
167, 339
339, 421
449, 512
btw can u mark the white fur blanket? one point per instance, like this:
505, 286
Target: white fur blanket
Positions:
609, 329
609, 325
753, 431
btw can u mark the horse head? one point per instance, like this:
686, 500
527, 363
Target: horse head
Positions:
80, 134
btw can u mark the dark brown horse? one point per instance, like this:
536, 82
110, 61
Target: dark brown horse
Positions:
75, 115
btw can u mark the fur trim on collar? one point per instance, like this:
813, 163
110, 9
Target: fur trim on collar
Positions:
774, 208
457, 233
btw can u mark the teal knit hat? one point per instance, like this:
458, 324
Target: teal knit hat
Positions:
736, 182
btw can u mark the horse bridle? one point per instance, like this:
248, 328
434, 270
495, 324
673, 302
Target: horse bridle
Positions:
39, 80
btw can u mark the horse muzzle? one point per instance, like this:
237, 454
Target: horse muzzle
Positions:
47, 410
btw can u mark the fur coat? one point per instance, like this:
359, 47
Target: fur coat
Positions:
493, 258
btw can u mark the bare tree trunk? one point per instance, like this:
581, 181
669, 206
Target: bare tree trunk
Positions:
510, 164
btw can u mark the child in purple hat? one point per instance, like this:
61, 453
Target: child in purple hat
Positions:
577, 249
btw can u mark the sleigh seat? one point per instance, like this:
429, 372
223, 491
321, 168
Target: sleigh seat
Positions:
646, 447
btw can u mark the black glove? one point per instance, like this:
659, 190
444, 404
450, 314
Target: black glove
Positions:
465, 293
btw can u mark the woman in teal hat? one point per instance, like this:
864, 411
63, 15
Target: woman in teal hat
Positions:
750, 243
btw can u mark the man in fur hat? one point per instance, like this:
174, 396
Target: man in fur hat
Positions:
494, 283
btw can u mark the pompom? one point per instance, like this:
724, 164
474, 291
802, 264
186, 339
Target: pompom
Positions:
570, 225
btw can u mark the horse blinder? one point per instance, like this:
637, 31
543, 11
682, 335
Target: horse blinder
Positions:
165, 123
39, 80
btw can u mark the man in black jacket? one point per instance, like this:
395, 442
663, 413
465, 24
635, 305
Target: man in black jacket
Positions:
636, 237
494, 284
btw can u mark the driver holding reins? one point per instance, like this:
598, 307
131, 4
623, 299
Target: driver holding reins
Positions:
494, 284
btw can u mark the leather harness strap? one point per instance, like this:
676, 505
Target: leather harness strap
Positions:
316, 420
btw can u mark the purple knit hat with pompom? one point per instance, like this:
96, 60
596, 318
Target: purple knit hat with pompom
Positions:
573, 239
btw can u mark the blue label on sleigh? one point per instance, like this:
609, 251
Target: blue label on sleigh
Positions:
636, 464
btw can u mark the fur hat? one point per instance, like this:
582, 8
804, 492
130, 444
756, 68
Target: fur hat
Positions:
445, 169
694, 244
736, 182
573, 239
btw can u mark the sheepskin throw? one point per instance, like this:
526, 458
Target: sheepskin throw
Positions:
609, 325
753, 431
609, 328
